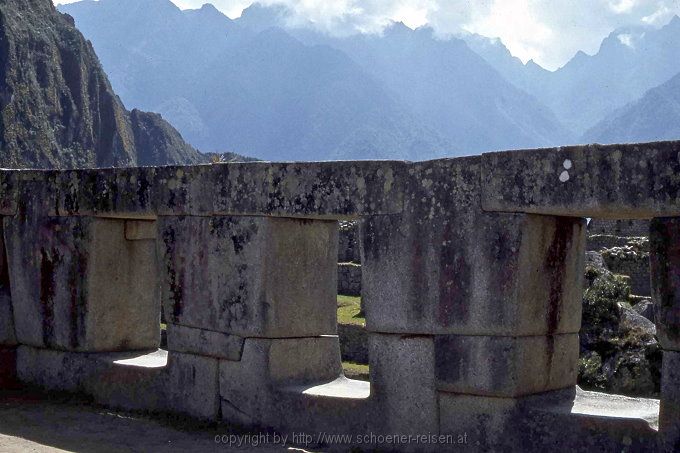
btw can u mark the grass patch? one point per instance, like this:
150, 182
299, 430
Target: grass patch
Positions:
349, 311
355, 371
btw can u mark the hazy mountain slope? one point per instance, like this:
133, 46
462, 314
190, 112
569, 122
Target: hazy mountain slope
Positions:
656, 116
452, 89
152, 52
588, 88
285, 100
57, 108
493, 51
249, 88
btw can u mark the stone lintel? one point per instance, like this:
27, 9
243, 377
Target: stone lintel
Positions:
635, 181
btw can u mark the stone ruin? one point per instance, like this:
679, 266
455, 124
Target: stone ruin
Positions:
624, 247
472, 279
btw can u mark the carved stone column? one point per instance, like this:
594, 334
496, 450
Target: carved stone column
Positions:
7, 336
665, 275
496, 295
83, 283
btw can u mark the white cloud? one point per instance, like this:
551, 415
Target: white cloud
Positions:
622, 6
548, 31
659, 17
626, 39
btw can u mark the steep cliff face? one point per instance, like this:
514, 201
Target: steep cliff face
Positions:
57, 107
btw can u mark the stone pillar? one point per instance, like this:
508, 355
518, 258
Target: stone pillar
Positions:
83, 283
7, 336
497, 295
249, 276
665, 277
259, 293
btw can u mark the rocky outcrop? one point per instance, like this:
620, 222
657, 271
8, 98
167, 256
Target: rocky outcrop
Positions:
619, 349
57, 107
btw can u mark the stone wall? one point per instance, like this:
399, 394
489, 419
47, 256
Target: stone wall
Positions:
472, 275
634, 266
620, 228
353, 343
624, 246
349, 250
349, 279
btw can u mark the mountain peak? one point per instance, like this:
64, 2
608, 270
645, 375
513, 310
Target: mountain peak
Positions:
261, 16
209, 8
210, 12
532, 64
92, 127
397, 28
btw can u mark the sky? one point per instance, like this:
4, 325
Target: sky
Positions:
548, 31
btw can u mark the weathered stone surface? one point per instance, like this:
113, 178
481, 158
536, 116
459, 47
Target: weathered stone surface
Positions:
139, 230
8, 192
483, 423
444, 266
7, 333
111, 192
579, 421
204, 342
621, 228
665, 271
353, 343
349, 248
403, 384
614, 181
327, 189
585, 422
595, 259
184, 190
468, 311
250, 276
251, 389
192, 386
619, 350
51, 369
349, 279
632, 320
8, 366
505, 366
645, 308
331, 190
178, 383
81, 285
188, 385
632, 262
669, 411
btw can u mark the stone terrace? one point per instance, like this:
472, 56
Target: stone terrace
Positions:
472, 281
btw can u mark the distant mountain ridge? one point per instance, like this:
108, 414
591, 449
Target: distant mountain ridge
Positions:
451, 87
57, 108
254, 86
654, 117
589, 89
258, 85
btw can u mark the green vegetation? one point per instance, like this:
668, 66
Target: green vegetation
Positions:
355, 371
618, 355
349, 311
603, 294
